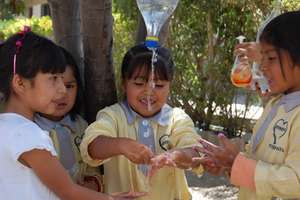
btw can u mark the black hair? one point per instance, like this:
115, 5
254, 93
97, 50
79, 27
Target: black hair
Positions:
283, 33
139, 57
36, 54
70, 62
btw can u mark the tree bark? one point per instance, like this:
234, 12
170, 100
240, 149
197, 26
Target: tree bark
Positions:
66, 25
97, 36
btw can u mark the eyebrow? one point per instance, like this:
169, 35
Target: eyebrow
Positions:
73, 81
270, 50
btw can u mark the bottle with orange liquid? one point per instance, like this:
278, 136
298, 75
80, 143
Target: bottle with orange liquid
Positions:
241, 73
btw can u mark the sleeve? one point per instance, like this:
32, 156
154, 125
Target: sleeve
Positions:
281, 180
30, 137
183, 132
106, 126
241, 166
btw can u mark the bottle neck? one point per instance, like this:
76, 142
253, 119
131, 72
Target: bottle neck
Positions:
152, 42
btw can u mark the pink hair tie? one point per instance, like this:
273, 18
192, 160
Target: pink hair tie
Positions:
19, 44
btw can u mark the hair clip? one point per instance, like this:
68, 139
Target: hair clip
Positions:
19, 44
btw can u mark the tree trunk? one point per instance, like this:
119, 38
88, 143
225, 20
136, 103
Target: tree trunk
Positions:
66, 24
97, 36
142, 33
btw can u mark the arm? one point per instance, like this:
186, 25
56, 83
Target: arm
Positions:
54, 176
104, 147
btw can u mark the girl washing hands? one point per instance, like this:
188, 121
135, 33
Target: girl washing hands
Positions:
270, 167
143, 132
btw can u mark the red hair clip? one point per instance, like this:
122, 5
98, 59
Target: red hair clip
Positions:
19, 44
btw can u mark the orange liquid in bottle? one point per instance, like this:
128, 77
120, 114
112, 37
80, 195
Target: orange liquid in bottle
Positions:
241, 76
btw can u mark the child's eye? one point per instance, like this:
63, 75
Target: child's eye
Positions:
139, 83
159, 85
272, 58
70, 86
54, 77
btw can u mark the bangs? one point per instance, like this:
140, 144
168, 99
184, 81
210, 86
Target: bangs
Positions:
51, 59
142, 66
39, 55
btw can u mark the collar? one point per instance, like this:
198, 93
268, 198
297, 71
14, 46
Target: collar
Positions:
290, 101
162, 118
47, 124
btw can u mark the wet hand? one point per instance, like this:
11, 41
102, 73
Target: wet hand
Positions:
222, 155
136, 152
160, 161
209, 165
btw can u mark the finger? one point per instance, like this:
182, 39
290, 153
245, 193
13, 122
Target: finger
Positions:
230, 145
209, 148
207, 144
207, 152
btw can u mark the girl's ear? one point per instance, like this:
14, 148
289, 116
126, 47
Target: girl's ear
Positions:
18, 84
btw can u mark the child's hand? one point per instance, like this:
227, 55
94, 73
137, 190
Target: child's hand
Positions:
249, 51
160, 161
127, 195
222, 155
209, 165
136, 152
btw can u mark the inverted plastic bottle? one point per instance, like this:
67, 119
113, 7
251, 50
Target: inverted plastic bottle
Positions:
241, 74
155, 14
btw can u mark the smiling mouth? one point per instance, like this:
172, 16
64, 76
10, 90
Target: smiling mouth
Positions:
147, 101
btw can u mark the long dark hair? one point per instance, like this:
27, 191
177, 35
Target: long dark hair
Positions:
35, 54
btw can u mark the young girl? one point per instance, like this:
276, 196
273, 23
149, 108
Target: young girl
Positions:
143, 130
31, 80
271, 165
66, 129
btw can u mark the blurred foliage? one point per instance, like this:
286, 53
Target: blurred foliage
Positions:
202, 37
11, 8
125, 15
42, 26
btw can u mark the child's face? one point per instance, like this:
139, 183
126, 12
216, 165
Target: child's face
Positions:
42, 93
271, 67
139, 94
67, 101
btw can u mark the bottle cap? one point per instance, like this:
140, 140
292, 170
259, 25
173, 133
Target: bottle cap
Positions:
152, 42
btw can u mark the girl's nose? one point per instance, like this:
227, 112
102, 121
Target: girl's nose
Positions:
61, 86
264, 65
149, 87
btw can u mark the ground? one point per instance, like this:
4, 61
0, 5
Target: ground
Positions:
208, 187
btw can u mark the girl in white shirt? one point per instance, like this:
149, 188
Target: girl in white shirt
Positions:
31, 81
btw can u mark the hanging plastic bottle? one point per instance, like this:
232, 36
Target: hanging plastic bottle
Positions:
258, 77
155, 14
241, 74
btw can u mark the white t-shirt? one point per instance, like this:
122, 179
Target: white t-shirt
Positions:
17, 181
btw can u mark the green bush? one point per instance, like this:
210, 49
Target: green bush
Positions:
42, 26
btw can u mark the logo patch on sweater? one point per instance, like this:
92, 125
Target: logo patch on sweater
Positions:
279, 130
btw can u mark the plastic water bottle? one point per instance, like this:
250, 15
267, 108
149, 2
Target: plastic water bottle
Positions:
241, 73
155, 14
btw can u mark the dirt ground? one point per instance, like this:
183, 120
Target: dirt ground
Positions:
208, 187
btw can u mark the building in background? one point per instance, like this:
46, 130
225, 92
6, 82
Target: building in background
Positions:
37, 8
